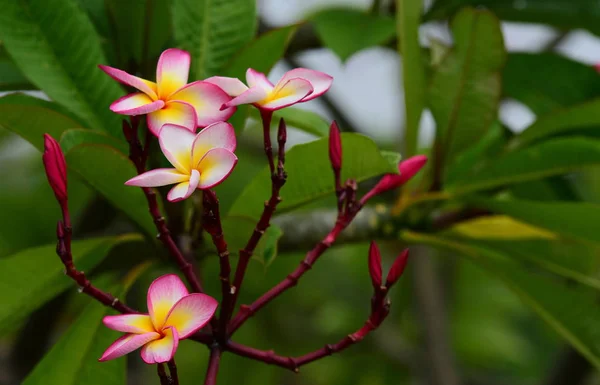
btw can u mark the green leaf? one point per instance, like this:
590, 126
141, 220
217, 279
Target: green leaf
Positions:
33, 276
238, 230
348, 31
408, 19
11, 79
465, 89
309, 176
564, 14
552, 157
572, 82
56, 47
566, 218
106, 170
213, 31
304, 120
560, 122
31, 118
571, 310
72, 138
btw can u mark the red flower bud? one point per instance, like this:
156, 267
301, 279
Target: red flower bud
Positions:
375, 265
56, 168
407, 168
597, 67
335, 147
397, 269
282, 132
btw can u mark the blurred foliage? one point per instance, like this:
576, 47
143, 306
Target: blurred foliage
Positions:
518, 283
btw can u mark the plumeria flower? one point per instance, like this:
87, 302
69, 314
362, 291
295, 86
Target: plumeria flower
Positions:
296, 86
201, 161
175, 314
171, 99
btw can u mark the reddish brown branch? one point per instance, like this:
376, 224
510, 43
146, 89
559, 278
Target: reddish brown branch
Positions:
138, 156
266, 117
213, 366
173, 372
162, 375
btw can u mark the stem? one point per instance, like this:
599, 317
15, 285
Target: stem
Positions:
211, 221
138, 156
213, 366
162, 374
173, 372
277, 181
266, 117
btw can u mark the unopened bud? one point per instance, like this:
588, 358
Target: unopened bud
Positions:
56, 168
407, 169
335, 147
397, 269
375, 265
282, 132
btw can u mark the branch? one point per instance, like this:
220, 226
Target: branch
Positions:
213, 366
138, 156
173, 371
162, 374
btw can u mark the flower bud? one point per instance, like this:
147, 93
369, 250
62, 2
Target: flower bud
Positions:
397, 269
407, 168
375, 265
56, 168
335, 147
282, 132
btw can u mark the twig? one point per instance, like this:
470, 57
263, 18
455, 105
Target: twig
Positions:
173, 371
162, 374
266, 117
277, 181
138, 156
213, 366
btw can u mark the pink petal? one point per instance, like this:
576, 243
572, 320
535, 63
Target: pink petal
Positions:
320, 82
253, 95
232, 86
217, 135
158, 177
163, 294
127, 344
216, 165
191, 313
176, 143
179, 113
129, 323
292, 92
258, 79
207, 99
172, 71
146, 86
185, 189
161, 350
136, 104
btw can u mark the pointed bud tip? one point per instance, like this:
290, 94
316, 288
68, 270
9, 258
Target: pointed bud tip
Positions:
397, 268
335, 146
56, 167
375, 265
282, 131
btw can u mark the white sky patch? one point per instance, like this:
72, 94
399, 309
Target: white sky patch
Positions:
516, 115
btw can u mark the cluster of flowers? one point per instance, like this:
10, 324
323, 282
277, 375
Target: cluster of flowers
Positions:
175, 110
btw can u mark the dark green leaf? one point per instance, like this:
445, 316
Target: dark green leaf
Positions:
33, 276
72, 138
465, 88
348, 31
11, 79
213, 31
106, 170
309, 174
56, 47
572, 82
565, 14
552, 157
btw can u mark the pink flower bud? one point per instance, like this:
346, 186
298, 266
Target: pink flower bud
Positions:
397, 269
407, 168
597, 67
375, 265
56, 168
335, 146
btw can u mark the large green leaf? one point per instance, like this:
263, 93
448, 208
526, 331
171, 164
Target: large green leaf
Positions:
578, 220
552, 157
56, 47
569, 120
564, 14
348, 31
11, 79
571, 310
572, 82
213, 31
408, 19
309, 176
75, 137
106, 170
34, 276
465, 88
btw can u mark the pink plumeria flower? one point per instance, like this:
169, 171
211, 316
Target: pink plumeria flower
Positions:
171, 99
175, 314
296, 86
200, 161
